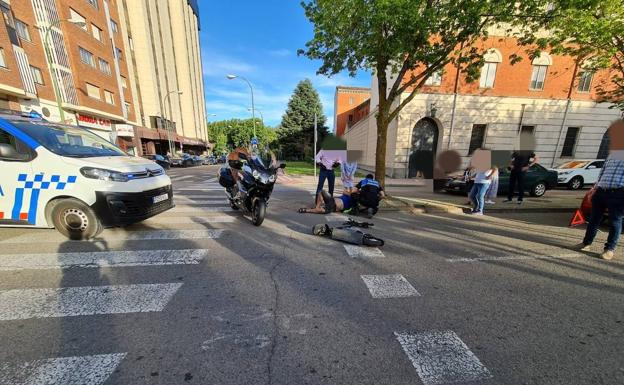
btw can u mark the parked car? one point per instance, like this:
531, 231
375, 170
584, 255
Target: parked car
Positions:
579, 172
197, 160
208, 160
221, 159
161, 160
184, 160
538, 180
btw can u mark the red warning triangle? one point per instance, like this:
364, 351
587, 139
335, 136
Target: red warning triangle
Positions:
578, 219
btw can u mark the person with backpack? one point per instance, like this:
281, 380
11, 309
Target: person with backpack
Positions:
370, 192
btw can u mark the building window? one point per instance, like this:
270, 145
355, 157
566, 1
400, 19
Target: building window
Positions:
488, 74
126, 108
104, 66
97, 33
477, 137
109, 97
22, 30
570, 142
124, 82
585, 79
114, 27
603, 151
93, 91
37, 75
527, 130
94, 3
118, 54
87, 57
2, 59
435, 79
538, 77
75, 16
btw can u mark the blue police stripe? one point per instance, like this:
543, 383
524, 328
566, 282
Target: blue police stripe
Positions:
32, 211
17, 206
11, 129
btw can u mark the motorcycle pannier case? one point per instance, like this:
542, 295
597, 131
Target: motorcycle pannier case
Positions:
225, 177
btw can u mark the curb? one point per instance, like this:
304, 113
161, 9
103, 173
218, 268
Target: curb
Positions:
426, 206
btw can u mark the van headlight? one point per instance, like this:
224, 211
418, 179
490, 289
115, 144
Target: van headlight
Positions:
103, 174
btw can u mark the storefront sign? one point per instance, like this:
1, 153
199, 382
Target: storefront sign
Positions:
93, 122
124, 130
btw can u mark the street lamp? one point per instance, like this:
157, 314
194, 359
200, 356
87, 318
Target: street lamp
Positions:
46, 39
261, 115
253, 109
168, 127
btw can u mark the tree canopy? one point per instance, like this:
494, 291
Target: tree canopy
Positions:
403, 42
296, 132
226, 134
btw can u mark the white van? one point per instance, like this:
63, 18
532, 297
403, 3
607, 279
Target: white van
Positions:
65, 177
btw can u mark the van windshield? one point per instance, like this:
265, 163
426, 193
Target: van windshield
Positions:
68, 141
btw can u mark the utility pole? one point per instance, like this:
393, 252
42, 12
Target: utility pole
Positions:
315, 140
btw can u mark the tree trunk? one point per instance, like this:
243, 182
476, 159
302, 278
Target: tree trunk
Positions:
380, 151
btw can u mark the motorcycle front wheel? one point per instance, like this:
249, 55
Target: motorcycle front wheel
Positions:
258, 211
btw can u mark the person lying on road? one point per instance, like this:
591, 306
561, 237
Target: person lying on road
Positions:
325, 204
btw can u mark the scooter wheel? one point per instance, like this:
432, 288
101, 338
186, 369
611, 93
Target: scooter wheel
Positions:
369, 240
258, 212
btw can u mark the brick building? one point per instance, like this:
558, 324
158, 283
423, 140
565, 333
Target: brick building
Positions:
346, 103
92, 66
543, 96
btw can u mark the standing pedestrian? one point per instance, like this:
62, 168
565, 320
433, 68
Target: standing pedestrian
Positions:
521, 161
327, 165
608, 194
492, 191
482, 182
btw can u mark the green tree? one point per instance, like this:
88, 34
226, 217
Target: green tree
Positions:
226, 134
408, 39
591, 32
296, 132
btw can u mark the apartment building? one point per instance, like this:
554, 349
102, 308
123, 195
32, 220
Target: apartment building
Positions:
163, 38
74, 61
546, 96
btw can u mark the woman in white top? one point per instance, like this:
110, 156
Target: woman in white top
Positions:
481, 186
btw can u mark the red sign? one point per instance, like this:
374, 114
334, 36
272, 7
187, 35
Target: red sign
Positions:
90, 121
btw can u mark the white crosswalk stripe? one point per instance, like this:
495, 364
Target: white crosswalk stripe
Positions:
20, 304
180, 178
389, 286
192, 219
82, 370
204, 196
51, 236
198, 188
102, 259
186, 201
441, 357
363, 251
514, 257
191, 209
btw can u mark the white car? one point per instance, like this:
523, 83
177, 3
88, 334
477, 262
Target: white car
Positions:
579, 172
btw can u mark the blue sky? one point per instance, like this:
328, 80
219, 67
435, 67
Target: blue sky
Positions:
259, 40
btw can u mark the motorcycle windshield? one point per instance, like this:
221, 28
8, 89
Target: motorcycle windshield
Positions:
264, 161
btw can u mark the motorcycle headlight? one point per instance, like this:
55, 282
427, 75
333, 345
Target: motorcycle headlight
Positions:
272, 178
255, 174
103, 174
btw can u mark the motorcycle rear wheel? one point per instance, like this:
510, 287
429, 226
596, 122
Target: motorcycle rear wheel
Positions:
258, 211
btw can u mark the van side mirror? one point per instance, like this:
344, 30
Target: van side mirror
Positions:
282, 165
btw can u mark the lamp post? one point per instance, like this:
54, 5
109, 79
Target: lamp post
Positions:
253, 107
46, 39
168, 127
261, 115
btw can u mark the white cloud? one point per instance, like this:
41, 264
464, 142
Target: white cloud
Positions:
280, 52
216, 65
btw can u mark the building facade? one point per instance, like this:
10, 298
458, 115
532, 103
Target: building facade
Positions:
346, 102
550, 96
73, 61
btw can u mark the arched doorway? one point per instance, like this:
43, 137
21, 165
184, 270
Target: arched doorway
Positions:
423, 149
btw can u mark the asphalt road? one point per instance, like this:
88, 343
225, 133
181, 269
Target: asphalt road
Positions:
198, 295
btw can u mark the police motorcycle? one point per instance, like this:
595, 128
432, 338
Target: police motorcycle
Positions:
256, 177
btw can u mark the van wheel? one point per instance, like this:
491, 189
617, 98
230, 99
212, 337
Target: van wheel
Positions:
75, 220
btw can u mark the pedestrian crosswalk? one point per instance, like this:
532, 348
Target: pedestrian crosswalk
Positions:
205, 205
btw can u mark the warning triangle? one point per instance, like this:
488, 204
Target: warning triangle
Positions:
578, 219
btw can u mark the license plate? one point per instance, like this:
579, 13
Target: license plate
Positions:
160, 198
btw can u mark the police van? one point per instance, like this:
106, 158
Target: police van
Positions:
66, 177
